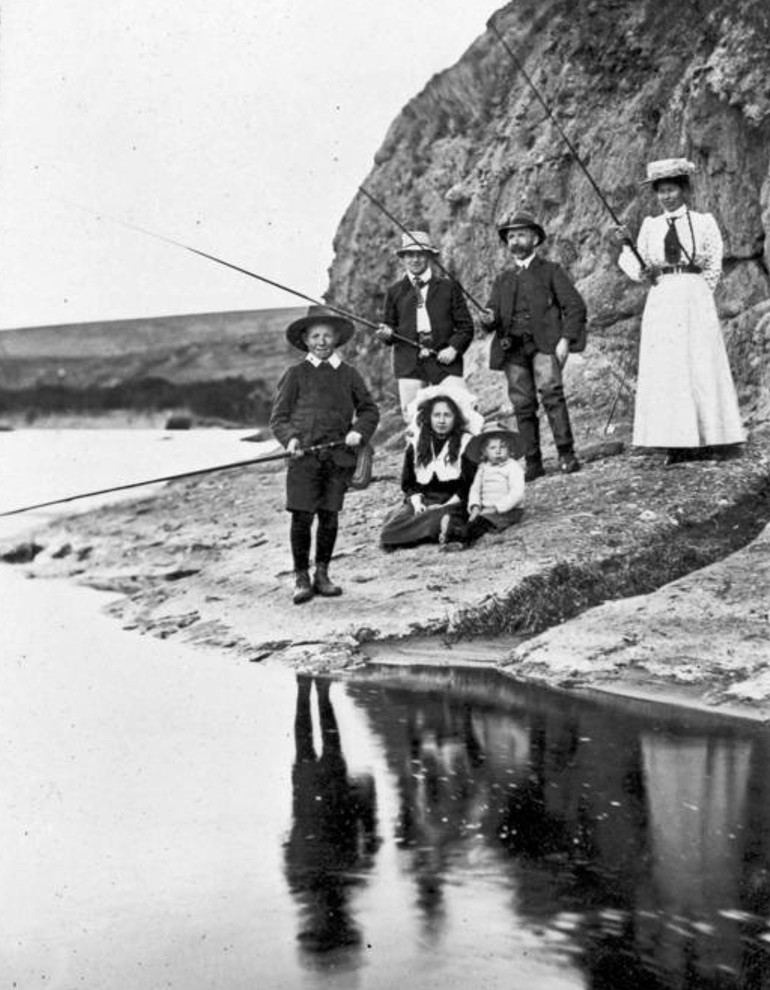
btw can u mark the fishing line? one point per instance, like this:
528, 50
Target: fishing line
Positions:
245, 271
549, 113
170, 477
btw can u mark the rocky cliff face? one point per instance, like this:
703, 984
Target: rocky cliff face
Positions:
629, 81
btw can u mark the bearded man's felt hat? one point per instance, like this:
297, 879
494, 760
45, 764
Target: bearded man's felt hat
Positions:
520, 221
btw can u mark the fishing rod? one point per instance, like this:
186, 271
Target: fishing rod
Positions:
172, 477
436, 262
261, 278
603, 199
493, 27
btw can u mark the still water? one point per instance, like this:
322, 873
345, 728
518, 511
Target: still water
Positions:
175, 818
41, 465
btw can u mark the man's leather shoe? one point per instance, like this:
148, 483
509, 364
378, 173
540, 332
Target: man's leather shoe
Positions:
533, 470
568, 464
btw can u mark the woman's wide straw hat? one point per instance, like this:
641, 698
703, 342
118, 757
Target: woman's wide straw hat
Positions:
669, 168
416, 240
465, 401
319, 314
492, 430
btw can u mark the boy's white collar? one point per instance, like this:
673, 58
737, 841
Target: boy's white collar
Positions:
335, 360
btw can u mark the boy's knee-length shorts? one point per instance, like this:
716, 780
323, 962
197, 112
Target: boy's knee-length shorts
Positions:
314, 483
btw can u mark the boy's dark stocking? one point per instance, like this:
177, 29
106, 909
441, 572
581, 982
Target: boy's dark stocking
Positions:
299, 535
301, 523
326, 537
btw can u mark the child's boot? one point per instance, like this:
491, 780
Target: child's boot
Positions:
321, 583
303, 591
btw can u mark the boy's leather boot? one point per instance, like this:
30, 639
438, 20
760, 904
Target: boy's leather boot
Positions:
303, 591
321, 583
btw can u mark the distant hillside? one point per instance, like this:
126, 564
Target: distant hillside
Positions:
208, 367
179, 349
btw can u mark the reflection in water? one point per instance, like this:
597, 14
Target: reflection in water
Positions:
441, 793
697, 801
333, 836
631, 838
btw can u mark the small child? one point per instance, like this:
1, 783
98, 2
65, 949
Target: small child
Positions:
497, 492
320, 401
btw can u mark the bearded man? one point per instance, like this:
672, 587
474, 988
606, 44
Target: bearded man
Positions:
538, 317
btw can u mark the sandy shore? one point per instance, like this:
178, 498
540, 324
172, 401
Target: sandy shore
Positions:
207, 560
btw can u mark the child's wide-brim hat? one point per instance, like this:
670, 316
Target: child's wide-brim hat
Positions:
416, 240
465, 401
669, 168
520, 221
315, 315
494, 431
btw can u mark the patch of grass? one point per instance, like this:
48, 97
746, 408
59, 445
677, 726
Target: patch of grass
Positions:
570, 587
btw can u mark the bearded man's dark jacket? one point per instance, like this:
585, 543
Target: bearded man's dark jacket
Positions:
451, 326
534, 307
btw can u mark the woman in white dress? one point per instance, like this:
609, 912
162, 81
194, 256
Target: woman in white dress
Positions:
685, 397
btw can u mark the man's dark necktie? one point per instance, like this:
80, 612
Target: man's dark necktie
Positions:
418, 291
672, 246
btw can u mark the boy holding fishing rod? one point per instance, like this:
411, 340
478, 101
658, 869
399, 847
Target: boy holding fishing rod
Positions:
320, 402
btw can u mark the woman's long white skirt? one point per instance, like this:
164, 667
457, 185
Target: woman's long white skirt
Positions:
685, 394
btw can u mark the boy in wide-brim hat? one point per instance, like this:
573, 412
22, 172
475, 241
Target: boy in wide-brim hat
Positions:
320, 402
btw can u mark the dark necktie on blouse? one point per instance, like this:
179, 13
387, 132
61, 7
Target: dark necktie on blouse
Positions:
672, 246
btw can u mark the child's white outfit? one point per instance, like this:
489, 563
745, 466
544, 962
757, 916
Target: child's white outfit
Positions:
499, 488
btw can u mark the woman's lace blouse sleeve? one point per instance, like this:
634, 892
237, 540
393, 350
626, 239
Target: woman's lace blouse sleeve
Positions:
628, 261
709, 249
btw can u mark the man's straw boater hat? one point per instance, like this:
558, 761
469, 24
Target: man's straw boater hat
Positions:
669, 168
493, 430
416, 240
319, 314
520, 221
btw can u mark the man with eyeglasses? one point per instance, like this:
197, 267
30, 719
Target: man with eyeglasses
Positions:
428, 309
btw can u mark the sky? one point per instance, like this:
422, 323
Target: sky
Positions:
239, 127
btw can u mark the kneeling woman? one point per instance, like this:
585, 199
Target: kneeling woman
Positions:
436, 474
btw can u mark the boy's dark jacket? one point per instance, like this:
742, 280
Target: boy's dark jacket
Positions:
322, 406
450, 321
556, 309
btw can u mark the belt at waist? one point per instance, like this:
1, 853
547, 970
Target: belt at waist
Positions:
680, 269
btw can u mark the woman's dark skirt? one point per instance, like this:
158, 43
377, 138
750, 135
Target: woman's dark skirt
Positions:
405, 528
